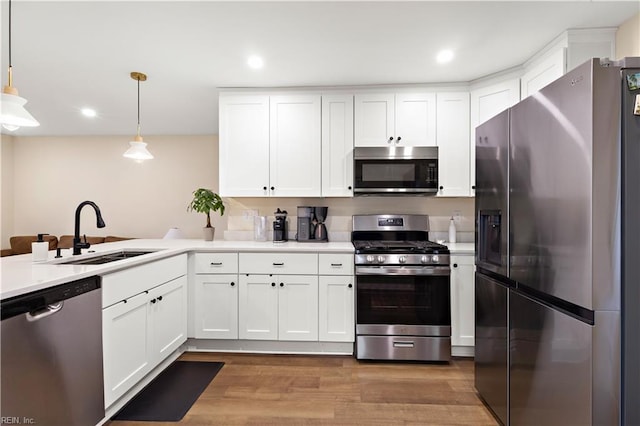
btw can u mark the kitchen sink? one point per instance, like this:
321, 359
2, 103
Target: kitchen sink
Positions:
105, 258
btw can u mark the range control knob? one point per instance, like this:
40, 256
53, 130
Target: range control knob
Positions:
434, 258
424, 259
380, 259
370, 259
402, 259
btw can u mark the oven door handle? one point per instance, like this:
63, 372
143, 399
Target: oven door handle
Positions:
404, 270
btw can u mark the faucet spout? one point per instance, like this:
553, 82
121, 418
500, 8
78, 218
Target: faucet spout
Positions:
77, 244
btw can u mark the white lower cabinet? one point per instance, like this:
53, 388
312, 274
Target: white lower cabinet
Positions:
216, 305
462, 301
144, 320
278, 307
139, 332
336, 308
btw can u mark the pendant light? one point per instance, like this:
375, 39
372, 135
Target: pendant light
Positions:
13, 115
138, 150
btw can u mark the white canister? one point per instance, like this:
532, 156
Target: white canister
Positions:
452, 231
40, 249
260, 228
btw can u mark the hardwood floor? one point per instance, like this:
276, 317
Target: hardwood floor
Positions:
333, 390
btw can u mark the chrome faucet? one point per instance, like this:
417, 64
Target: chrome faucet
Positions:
77, 245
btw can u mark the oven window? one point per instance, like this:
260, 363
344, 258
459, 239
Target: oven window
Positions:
409, 300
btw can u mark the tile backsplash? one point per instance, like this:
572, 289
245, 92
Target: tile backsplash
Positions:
339, 220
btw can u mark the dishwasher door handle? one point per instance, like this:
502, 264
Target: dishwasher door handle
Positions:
44, 312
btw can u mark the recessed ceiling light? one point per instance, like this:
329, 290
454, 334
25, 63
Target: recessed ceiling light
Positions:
255, 62
444, 56
88, 112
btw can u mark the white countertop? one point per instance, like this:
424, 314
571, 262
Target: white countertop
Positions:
461, 248
20, 275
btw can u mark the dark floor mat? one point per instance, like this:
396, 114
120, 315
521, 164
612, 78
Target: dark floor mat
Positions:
170, 395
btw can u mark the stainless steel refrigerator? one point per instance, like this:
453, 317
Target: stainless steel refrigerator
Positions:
558, 252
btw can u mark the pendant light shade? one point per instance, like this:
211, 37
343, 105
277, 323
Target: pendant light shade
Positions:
13, 114
138, 149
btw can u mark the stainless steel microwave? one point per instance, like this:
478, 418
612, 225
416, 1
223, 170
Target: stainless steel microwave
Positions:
395, 170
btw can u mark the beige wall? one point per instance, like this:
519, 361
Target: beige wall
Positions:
6, 190
628, 38
52, 175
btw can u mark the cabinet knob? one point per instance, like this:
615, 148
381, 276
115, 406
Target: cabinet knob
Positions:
473, 187
399, 137
281, 284
153, 300
272, 188
350, 285
232, 284
264, 188
441, 188
159, 298
390, 139
349, 188
273, 284
455, 265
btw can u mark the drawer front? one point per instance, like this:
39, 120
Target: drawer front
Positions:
123, 284
279, 263
335, 264
216, 263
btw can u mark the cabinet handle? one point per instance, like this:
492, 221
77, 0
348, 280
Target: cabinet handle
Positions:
272, 188
159, 298
455, 265
390, 139
442, 187
349, 188
350, 286
278, 264
281, 284
264, 188
125, 300
232, 284
398, 140
273, 284
473, 187
336, 264
153, 300
216, 263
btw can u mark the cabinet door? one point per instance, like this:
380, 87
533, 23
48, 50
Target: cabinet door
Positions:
244, 146
337, 146
485, 103
415, 119
453, 144
216, 305
298, 307
125, 346
462, 300
374, 119
168, 313
258, 307
294, 146
336, 308
544, 72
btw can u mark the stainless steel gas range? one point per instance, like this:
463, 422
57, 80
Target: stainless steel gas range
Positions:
403, 305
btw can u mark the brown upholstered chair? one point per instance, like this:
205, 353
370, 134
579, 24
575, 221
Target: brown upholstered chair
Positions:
111, 239
21, 244
66, 241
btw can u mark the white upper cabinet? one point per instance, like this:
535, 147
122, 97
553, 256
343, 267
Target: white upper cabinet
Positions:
266, 143
486, 102
337, 146
244, 146
544, 72
295, 146
453, 144
387, 119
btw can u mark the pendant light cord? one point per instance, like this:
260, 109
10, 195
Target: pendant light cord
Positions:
10, 79
138, 105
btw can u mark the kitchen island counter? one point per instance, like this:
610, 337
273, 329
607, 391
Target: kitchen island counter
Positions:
20, 275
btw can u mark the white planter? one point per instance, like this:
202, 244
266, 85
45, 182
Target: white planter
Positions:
208, 233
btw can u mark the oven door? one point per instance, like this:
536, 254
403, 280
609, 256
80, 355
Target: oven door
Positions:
411, 301
395, 176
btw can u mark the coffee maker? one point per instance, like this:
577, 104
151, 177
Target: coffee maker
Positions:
280, 226
311, 227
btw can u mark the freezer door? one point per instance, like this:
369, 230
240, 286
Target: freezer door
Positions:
491, 345
551, 366
492, 143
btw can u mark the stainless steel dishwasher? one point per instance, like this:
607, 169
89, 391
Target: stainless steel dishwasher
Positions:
51, 356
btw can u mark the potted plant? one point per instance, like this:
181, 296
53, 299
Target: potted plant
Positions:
205, 201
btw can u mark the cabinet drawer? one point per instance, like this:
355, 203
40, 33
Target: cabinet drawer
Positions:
335, 264
131, 281
216, 263
278, 263
462, 259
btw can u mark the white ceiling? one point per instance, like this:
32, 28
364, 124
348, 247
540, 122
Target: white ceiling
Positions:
68, 55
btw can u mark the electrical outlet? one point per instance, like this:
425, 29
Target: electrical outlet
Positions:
457, 215
249, 214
